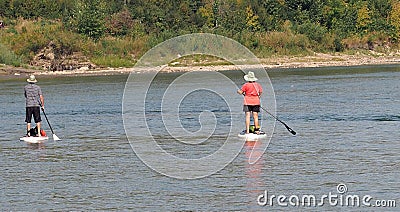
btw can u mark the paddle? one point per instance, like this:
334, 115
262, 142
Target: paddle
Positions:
276, 118
55, 137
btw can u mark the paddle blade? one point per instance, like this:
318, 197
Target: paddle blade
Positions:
56, 138
290, 130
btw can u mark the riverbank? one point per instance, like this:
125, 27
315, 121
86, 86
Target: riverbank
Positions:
281, 62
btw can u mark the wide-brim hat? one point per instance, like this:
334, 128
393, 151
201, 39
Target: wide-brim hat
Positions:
31, 79
250, 77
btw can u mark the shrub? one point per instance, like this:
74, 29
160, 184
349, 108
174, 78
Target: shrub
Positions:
283, 43
32, 36
89, 18
8, 57
313, 31
112, 61
119, 24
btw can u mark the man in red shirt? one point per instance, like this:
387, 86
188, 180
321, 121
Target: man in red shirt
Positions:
252, 93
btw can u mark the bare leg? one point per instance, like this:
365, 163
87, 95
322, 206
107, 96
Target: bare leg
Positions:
256, 124
255, 117
247, 122
28, 127
38, 128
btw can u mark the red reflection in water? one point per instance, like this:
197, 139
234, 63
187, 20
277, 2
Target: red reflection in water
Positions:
36, 146
254, 171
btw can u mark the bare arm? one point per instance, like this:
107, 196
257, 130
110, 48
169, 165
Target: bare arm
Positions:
42, 100
240, 92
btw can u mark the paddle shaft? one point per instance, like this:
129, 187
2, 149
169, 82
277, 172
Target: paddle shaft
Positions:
276, 118
44, 113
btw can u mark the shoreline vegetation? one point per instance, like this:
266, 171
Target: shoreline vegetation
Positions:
278, 62
97, 37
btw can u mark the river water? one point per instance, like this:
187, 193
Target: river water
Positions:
347, 120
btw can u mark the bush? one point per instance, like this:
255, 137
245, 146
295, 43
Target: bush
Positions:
89, 18
113, 61
313, 31
29, 37
119, 24
284, 43
8, 57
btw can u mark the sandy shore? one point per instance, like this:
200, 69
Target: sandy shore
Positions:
317, 60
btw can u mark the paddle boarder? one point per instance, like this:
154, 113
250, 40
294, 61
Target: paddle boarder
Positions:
252, 92
33, 94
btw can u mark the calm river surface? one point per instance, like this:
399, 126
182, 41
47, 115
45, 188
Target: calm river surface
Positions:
347, 120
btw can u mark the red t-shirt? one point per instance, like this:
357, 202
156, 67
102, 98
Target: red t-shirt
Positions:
252, 90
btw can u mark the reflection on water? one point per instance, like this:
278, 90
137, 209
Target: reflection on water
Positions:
347, 121
37, 146
253, 151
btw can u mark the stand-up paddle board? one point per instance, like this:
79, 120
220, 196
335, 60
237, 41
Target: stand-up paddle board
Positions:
251, 136
34, 140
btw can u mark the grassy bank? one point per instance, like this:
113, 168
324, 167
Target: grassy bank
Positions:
23, 39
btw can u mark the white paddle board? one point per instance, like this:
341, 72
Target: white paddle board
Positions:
34, 140
252, 136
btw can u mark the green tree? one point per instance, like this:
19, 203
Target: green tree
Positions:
380, 11
271, 14
49, 9
209, 11
120, 23
394, 17
363, 18
301, 11
5, 9
313, 31
233, 15
89, 18
252, 20
345, 21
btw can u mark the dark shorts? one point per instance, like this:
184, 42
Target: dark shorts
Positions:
251, 108
35, 111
